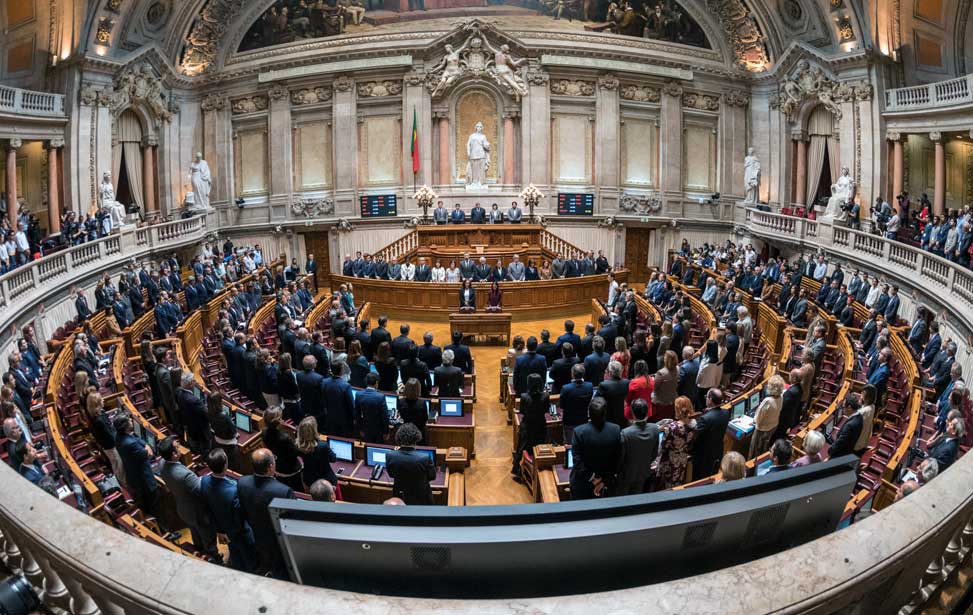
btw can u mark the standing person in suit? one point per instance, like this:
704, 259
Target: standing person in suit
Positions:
184, 486
561, 368
461, 353
400, 345
81, 305
219, 492
440, 215
710, 429
596, 363
316, 454
423, 271
482, 271
944, 448
534, 407
411, 409
412, 367
791, 406
596, 448
411, 471
548, 349
495, 216
528, 363
844, 443
449, 379
614, 390
892, 308
370, 410
192, 412
498, 273
380, 334
340, 417
574, 400
429, 353
457, 216
477, 215
515, 271
640, 446
309, 390
467, 296
256, 492
568, 336
514, 215
467, 266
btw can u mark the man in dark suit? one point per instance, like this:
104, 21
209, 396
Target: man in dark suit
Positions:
546, 348
933, 345
184, 486
575, 397
688, 371
614, 389
892, 309
528, 363
568, 336
945, 448
596, 448
710, 429
799, 310
467, 267
339, 418
192, 411
381, 269
118, 308
192, 299
81, 305
370, 410
840, 301
309, 383
321, 354
844, 442
596, 363
412, 367
256, 492
790, 409
640, 446
584, 345
561, 368
400, 345
482, 271
136, 461
429, 353
219, 492
477, 215
411, 471
423, 271
607, 332
364, 337
457, 216
380, 334
449, 378
462, 358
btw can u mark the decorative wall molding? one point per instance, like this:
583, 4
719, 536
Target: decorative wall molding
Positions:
703, 102
311, 208
640, 203
735, 98
572, 87
343, 83
743, 32
608, 81
310, 96
672, 88
277, 92
640, 93
375, 89
139, 85
809, 81
537, 77
213, 102
249, 104
478, 58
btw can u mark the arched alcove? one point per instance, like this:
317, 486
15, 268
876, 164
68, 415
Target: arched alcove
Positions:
127, 164
470, 106
822, 153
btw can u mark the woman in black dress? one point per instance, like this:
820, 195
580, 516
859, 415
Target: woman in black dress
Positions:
317, 455
285, 451
387, 368
534, 406
412, 409
467, 295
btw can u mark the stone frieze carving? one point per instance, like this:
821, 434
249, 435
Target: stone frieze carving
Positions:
736, 98
809, 81
249, 104
140, 85
672, 88
640, 203
703, 102
572, 87
639, 93
743, 32
477, 57
310, 96
213, 102
608, 81
343, 83
277, 92
206, 33
310, 208
537, 77
380, 88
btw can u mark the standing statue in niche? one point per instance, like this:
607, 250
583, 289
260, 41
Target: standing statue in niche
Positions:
201, 181
842, 191
477, 158
751, 177
113, 212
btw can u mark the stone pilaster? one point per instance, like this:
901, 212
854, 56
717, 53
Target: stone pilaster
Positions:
416, 98
281, 151
670, 136
345, 122
607, 122
535, 127
217, 143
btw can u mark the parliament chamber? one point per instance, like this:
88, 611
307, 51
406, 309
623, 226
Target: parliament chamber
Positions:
497, 307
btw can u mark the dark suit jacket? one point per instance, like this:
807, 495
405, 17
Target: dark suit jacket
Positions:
561, 372
370, 410
418, 370
575, 397
81, 305
183, 484
478, 215
595, 366
573, 338
549, 351
708, 450
847, 436
379, 335
790, 410
400, 347
944, 451
461, 357
449, 380
309, 383
223, 502
256, 493
193, 412
135, 461
462, 298
614, 392
340, 418
596, 453
431, 355
527, 364
411, 473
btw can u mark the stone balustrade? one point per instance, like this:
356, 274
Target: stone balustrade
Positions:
28, 102
938, 95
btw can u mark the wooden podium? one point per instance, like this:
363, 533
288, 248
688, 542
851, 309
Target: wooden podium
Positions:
485, 324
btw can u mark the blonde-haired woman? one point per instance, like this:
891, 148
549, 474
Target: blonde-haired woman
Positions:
666, 382
733, 467
284, 449
676, 446
103, 432
767, 416
622, 355
316, 453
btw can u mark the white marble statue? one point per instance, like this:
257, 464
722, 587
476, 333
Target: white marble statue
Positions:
451, 68
114, 209
841, 191
477, 158
200, 178
504, 67
751, 177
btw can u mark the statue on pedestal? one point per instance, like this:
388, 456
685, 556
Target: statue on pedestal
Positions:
842, 191
114, 212
477, 158
201, 181
751, 177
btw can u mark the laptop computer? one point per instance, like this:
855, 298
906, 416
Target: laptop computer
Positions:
451, 407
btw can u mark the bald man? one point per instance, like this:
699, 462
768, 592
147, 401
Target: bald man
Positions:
256, 492
322, 491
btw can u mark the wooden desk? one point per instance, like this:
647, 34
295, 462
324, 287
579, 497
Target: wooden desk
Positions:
493, 324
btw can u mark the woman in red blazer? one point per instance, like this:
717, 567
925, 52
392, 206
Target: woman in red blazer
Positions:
639, 387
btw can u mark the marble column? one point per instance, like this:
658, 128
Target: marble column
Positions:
939, 194
535, 131
509, 150
800, 182
281, 151
445, 177
671, 134
607, 127
897, 165
12, 146
217, 144
148, 172
54, 186
345, 135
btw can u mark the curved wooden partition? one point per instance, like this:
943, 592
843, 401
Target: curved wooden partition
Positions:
518, 297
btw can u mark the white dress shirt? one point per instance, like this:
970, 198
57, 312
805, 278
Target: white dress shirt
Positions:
820, 271
438, 274
408, 272
873, 295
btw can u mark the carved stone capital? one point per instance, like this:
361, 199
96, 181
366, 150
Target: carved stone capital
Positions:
936, 136
14, 143
56, 143
608, 81
150, 141
414, 78
639, 93
105, 97
672, 88
440, 114
703, 102
213, 102
736, 98
310, 96
277, 92
893, 136
343, 83
511, 114
537, 77
798, 135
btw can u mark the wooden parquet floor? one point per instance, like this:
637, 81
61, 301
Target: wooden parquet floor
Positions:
488, 480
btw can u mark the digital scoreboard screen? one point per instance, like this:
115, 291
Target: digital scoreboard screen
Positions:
573, 204
378, 205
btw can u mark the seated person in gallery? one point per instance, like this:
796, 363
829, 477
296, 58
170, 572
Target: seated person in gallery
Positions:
467, 297
495, 298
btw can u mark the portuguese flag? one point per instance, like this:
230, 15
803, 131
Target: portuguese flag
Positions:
415, 142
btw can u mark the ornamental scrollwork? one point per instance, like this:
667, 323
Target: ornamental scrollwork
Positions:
310, 208
640, 204
672, 88
140, 85
608, 81
310, 96
377, 89
639, 93
808, 82
249, 104
343, 83
572, 87
277, 92
735, 98
703, 102
213, 102
743, 32
478, 58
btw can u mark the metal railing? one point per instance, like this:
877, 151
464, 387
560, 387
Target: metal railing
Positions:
931, 95
29, 102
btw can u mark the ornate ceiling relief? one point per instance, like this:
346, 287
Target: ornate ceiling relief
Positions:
743, 32
478, 58
206, 33
810, 81
310, 96
139, 85
569, 87
248, 104
103, 34
639, 93
380, 88
703, 102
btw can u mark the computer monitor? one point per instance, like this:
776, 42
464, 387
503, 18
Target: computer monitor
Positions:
372, 368
227, 410
754, 401
429, 453
391, 405
242, 421
451, 407
198, 392
150, 438
342, 449
739, 409
375, 456
570, 460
